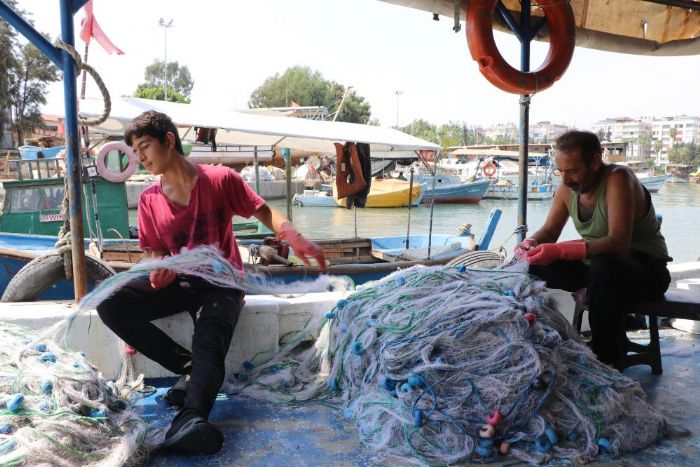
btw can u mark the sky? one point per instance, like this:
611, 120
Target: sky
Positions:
378, 48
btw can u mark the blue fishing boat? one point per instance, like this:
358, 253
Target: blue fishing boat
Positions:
451, 189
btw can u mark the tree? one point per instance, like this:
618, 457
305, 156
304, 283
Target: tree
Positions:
8, 61
27, 90
180, 82
422, 129
158, 94
455, 134
306, 87
644, 141
685, 153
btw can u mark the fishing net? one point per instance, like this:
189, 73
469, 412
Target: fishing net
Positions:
56, 409
450, 364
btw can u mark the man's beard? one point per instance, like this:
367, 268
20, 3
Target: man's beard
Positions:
579, 188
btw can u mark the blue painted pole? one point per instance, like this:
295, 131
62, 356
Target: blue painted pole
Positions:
28, 31
488, 232
73, 174
65, 62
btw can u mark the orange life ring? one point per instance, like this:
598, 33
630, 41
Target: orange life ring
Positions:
493, 66
489, 169
116, 177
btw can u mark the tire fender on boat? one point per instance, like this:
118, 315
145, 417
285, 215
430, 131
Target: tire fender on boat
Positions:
116, 177
482, 46
41, 273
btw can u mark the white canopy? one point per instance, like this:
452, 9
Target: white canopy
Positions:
249, 129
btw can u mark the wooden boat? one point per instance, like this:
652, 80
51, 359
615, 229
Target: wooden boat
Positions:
361, 259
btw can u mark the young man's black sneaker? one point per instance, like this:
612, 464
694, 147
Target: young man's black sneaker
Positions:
192, 434
175, 396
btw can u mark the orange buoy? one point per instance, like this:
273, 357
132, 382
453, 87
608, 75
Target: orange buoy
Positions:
494, 67
489, 169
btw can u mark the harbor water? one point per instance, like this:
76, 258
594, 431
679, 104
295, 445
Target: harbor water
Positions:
678, 203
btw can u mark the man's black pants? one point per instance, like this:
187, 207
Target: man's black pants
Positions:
612, 281
213, 309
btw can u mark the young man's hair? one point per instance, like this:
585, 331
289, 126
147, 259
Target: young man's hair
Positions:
154, 124
585, 140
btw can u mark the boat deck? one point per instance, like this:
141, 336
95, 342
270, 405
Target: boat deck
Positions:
262, 434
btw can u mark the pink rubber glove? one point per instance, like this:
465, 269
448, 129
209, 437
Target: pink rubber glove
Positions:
523, 247
549, 252
302, 247
161, 278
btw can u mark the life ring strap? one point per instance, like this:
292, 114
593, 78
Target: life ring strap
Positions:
483, 49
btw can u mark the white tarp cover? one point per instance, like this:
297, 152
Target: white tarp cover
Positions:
625, 26
250, 129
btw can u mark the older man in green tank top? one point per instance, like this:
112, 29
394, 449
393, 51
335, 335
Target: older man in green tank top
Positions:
621, 257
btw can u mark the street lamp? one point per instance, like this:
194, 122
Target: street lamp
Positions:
398, 95
165, 27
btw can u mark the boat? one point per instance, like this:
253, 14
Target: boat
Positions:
389, 193
502, 169
38, 152
652, 183
315, 198
360, 259
678, 173
451, 189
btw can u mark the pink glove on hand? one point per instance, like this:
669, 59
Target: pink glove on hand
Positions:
161, 278
302, 247
523, 247
549, 252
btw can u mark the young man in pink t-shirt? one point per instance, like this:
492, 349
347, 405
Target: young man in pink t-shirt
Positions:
191, 205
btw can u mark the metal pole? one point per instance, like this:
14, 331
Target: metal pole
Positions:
287, 155
410, 205
165, 61
73, 154
85, 60
432, 204
525, 37
398, 95
256, 165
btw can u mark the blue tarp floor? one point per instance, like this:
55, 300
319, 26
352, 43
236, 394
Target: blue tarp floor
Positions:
265, 434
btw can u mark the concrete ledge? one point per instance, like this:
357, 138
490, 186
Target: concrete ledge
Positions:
264, 321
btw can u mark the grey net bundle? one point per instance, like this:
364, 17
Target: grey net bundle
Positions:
442, 365
56, 409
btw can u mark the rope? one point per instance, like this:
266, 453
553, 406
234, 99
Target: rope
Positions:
63, 245
79, 66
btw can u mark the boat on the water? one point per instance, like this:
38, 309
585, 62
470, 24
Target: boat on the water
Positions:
451, 189
389, 193
361, 259
502, 169
652, 183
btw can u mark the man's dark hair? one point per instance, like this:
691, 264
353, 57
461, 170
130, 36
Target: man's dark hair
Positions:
155, 124
585, 140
